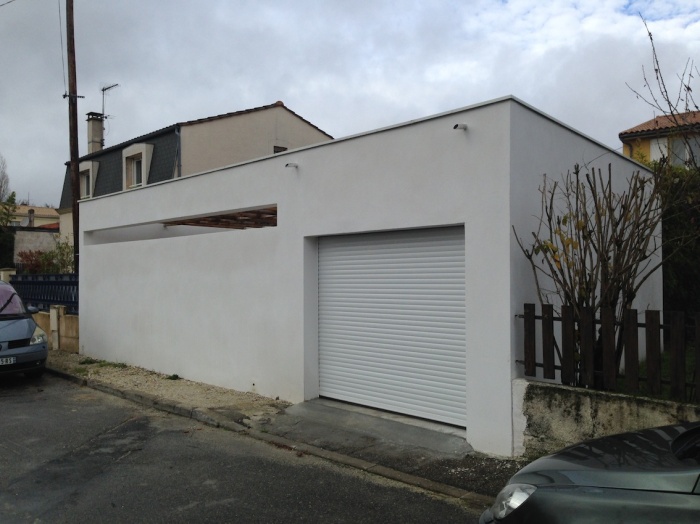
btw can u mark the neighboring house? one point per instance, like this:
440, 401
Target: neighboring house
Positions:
34, 216
379, 269
184, 149
674, 137
35, 229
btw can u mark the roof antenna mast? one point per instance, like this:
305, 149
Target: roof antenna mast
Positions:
104, 90
104, 116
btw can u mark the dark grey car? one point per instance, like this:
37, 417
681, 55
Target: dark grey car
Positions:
23, 344
651, 475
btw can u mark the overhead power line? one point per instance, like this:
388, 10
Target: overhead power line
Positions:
63, 58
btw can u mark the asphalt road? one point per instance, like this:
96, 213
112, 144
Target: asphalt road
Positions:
72, 454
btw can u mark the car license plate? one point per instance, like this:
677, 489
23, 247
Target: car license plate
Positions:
7, 360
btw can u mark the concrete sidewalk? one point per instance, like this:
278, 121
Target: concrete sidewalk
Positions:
419, 453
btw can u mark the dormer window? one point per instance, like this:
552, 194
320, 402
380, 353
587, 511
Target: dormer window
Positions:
85, 184
87, 174
136, 162
134, 171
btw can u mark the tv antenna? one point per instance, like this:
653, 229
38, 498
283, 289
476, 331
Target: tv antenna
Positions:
104, 90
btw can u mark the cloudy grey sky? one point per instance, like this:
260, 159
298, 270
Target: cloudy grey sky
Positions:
348, 66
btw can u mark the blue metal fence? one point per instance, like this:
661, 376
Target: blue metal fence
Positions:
43, 291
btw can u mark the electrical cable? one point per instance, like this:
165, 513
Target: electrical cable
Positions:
63, 58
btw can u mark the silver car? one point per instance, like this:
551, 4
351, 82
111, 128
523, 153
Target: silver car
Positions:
646, 476
23, 344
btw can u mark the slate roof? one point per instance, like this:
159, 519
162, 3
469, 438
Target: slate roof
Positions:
109, 175
66, 196
663, 124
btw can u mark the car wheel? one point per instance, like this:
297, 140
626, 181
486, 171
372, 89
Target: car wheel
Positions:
34, 374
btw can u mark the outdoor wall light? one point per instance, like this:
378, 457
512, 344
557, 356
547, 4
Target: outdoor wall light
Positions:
291, 164
463, 127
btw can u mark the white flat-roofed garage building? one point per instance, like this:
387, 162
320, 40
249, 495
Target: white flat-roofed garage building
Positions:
379, 269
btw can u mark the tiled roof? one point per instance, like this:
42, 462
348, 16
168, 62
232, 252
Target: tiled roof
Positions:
664, 123
39, 211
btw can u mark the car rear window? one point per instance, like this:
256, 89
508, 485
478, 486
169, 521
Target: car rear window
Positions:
10, 303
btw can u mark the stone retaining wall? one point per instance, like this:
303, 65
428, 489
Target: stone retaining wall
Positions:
550, 417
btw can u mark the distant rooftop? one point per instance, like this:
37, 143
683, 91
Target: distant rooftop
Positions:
664, 123
39, 211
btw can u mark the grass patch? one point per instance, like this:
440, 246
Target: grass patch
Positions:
89, 361
105, 364
80, 371
173, 377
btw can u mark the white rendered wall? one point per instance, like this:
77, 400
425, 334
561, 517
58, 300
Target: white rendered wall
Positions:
544, 146
239, 308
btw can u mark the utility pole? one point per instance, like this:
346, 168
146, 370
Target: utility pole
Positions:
73, 130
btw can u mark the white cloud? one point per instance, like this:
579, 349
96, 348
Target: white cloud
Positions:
347, 66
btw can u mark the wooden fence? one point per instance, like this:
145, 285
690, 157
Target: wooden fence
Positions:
585, 351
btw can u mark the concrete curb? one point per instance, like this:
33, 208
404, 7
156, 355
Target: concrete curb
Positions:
472, 500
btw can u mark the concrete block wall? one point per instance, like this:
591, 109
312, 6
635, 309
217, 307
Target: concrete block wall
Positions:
61, 329
34, 240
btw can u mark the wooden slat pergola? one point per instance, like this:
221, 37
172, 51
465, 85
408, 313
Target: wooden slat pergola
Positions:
255, 218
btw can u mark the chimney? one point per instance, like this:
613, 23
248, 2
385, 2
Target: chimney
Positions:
95, 131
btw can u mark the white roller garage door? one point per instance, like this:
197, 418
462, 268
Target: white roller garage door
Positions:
391, 321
